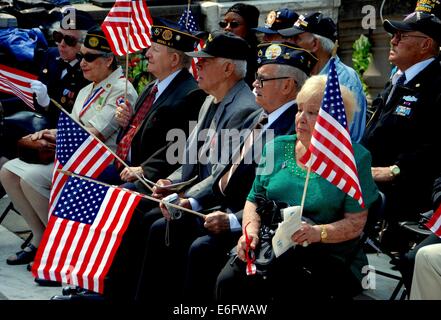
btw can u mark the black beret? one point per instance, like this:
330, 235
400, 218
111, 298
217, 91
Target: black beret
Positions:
248, 12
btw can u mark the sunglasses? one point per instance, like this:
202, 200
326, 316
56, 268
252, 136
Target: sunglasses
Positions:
69, 40
233, 24
89, 57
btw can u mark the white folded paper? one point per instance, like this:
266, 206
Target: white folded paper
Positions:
292, 221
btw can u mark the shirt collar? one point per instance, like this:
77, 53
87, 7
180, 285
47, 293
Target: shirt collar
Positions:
412, 71
162, 85
273, 116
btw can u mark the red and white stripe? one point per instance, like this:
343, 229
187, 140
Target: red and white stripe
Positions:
434, 223
81, 254
330, 155
91, 158
17, 83
193, 69
115, 26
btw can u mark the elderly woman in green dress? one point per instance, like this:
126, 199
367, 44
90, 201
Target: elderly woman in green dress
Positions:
332, 264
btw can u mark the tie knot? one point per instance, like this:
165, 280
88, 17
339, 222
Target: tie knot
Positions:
64, 64
154, 89
401, 79
263, 120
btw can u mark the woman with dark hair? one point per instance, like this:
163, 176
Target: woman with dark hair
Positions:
29, 185
240, 19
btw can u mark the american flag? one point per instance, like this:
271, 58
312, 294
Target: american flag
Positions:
115, 25
188, 21
434, 223
330, 153
83, 233
78, 152
17, 83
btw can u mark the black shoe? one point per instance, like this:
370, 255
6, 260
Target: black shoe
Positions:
47, 283
73, 290
80, 297
24, 256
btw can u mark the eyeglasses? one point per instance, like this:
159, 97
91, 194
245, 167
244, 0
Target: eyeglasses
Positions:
233, 24
69, 40
400, 36
261, 80
90, 57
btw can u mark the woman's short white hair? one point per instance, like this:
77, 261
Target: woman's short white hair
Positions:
315, 87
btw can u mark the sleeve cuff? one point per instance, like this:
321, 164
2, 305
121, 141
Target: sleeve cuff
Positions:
234, 223
194, 204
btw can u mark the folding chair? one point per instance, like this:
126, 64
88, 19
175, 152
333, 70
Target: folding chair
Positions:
10, 207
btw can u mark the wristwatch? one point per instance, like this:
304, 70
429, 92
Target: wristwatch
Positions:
394, 170
323, 233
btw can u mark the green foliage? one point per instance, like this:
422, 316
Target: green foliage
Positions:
138, 74
362, 57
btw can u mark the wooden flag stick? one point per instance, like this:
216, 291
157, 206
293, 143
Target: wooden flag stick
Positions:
102, 143
71, 174
188, 13
305, 189
127, 56
334, 51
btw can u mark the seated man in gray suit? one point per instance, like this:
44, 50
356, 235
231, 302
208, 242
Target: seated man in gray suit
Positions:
221, 69
282, 71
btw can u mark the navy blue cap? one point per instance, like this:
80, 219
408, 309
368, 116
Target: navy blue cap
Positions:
278, 19
171, 34
423, 22
285, 53
72, 19
96, 39
314, 23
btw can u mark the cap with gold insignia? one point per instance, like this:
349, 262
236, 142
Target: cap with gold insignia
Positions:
96, 39
285, 53
172, 35
278, 19
426, 19
315, 23
223, 44
429, 6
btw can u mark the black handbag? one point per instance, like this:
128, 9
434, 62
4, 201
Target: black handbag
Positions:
270, 216
25, 122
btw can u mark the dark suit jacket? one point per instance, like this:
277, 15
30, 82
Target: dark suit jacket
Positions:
176, 106
64, 90
236, 106
401, 132
242, 179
